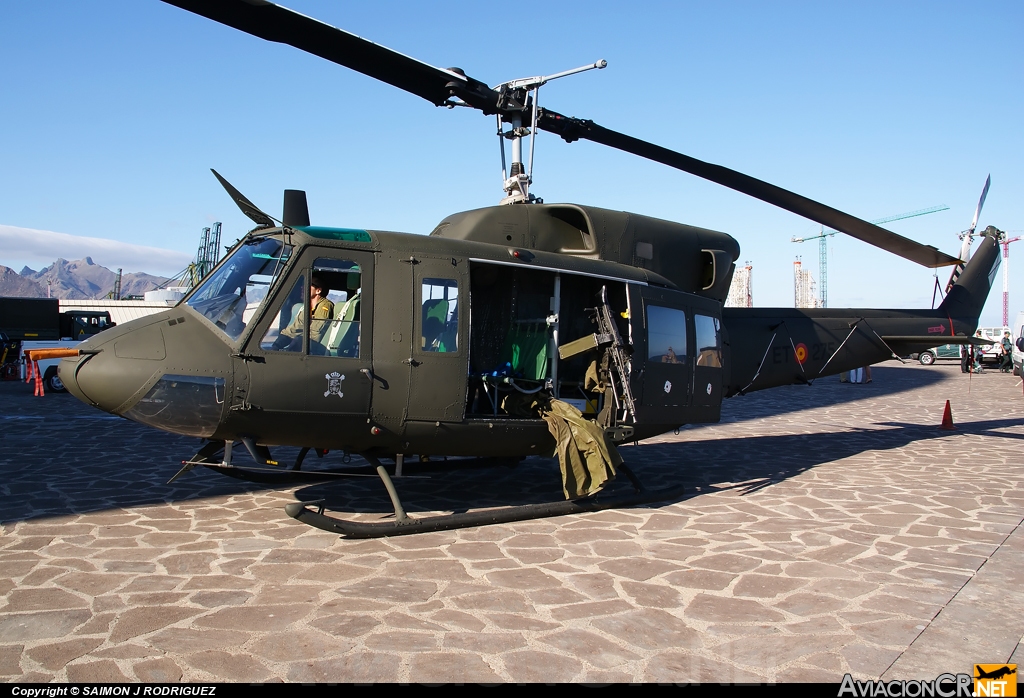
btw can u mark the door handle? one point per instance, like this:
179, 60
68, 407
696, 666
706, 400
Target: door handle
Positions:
411, 362
374, 377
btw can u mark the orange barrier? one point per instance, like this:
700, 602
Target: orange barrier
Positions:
34, 356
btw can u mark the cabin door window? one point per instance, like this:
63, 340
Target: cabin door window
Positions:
666, 383
439, 315
707, 372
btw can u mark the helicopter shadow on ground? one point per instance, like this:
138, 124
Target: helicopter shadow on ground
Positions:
824, 392
700, 466
537, 480
59, 457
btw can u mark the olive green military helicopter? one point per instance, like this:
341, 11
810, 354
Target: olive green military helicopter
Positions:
395, 346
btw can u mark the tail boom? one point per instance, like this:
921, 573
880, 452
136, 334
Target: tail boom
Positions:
769, 347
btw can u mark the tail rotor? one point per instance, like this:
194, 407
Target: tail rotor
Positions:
968, 238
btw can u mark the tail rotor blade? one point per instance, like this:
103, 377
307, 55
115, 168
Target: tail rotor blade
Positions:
981, 202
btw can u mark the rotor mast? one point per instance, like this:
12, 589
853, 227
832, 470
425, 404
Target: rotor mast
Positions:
518, 100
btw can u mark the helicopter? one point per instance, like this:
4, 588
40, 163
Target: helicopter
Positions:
455, 345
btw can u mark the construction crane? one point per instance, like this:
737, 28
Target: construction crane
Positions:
823, 245
1006, 278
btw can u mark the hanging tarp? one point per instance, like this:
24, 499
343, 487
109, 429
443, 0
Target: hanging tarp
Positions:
587, 458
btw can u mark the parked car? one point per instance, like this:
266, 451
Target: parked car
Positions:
946, 351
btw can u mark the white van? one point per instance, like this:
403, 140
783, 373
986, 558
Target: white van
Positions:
993, 353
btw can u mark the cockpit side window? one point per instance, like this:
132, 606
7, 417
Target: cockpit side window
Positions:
337, 333
330, 312
286, 331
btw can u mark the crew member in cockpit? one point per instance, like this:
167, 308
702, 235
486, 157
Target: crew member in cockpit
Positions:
321, 310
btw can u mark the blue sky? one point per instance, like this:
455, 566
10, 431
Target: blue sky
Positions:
113, 111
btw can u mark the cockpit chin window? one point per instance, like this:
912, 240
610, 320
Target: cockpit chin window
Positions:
231, 297
189, 405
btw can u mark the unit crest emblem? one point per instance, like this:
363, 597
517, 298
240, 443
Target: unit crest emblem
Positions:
334, 384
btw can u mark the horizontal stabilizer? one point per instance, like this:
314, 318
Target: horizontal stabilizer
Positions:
935, 340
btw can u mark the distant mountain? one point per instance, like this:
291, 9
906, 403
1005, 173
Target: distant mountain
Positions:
14, 284
81, 279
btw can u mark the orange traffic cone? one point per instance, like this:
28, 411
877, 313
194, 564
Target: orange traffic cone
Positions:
947, 419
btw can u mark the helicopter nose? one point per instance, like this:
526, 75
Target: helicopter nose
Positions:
171, 379
111, 370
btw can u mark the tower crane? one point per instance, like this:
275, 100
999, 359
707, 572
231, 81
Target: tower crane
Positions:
823, 246
1006, 278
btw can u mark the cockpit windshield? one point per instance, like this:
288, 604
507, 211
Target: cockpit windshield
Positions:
232, 295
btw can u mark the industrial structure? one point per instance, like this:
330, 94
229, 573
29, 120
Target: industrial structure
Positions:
741, 292
206, 257
116, 293
823, 249
803, 287
205, 260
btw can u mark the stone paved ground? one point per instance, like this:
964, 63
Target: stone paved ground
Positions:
827, 529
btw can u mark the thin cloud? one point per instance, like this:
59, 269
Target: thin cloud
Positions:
39, 248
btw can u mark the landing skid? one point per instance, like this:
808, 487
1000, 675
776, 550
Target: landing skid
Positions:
403, 524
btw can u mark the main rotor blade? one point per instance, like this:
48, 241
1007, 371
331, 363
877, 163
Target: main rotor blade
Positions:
280, 24
572, 129
436, 85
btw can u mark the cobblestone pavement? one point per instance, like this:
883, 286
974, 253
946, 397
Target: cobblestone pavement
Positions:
826, 529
